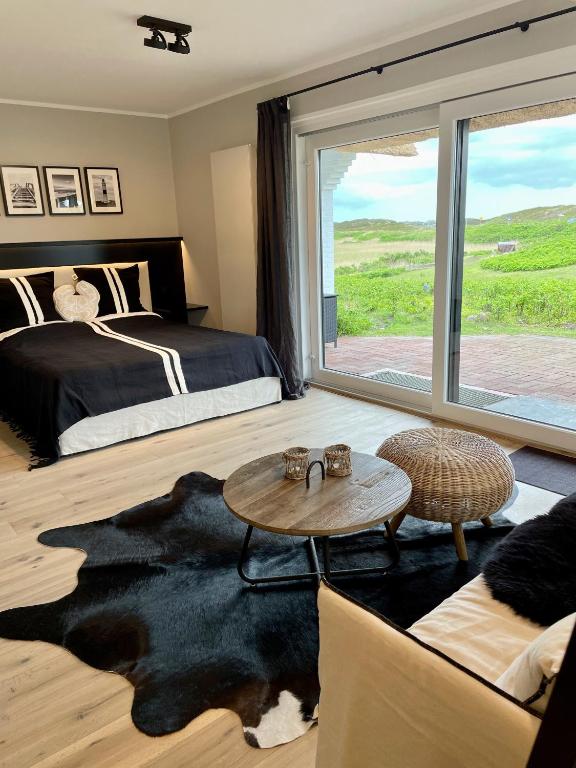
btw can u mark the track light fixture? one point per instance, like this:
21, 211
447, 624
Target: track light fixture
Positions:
157, 26
180, 45
156, 41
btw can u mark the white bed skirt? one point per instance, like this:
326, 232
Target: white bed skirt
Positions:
169, 413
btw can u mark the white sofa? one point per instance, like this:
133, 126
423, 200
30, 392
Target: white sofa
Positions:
424, 698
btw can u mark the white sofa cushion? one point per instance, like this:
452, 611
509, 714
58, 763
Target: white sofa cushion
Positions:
531, 675
477, 631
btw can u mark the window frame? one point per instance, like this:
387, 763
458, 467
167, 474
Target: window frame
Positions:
317, 131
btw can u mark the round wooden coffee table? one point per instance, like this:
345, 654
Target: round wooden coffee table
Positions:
260, 496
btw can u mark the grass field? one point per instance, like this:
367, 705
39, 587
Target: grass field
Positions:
385, 276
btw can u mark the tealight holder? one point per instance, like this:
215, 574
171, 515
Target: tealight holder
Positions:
338, 460
296, 460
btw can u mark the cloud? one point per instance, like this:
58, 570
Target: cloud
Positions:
509, 168
550, 172
537, 154
385, 201
352, 202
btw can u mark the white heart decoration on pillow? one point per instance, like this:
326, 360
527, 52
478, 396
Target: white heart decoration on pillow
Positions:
77, 303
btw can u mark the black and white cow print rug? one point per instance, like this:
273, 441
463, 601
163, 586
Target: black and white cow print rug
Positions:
159, 601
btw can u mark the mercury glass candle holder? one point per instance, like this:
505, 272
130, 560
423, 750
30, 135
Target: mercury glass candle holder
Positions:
338, 460
296, 460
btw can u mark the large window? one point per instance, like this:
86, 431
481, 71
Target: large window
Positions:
442, 259
514, 328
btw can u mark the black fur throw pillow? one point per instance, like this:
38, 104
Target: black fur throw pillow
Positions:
534, 569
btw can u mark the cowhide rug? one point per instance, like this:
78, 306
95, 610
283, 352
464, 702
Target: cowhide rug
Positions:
159, 601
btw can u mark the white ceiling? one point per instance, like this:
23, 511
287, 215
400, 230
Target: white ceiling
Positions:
89, 53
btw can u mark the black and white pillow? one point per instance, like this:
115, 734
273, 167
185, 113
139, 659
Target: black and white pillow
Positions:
119, 289
27, 300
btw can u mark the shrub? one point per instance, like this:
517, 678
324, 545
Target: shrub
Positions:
558, 251
526, 231
376, 304
383, 263
351, 322
522, 301
380, 299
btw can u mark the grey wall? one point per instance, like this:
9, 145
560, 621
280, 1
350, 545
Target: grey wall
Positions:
232, 122
138, 146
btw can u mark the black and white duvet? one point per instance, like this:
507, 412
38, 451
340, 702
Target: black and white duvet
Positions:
56, 374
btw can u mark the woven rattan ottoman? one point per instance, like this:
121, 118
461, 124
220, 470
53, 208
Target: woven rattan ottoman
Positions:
456, 477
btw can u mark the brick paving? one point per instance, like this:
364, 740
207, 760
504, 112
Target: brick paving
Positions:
543, 366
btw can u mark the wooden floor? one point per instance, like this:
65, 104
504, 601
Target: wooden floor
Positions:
57, 711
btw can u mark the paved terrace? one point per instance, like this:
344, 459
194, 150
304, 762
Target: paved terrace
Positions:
517, 365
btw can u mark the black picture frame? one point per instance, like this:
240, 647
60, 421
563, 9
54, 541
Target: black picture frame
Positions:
95, 208
8, 207
47, 183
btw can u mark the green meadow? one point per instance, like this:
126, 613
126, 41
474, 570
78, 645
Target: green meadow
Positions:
385, 275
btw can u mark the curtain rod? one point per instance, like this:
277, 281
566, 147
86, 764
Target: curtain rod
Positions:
523, 26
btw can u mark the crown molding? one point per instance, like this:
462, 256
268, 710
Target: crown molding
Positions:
74, 108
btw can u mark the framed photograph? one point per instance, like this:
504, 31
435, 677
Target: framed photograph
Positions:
21, 190
103, 186
64, 191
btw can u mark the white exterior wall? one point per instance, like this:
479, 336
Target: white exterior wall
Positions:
334, 166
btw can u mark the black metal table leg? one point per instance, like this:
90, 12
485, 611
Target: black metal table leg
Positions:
381, 569
255, 580
316, 573
313, 557
326, 552
243, 553
391, 540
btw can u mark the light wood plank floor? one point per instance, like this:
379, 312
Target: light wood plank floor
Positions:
56, 711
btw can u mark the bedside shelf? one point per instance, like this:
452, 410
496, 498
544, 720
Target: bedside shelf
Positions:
196, 313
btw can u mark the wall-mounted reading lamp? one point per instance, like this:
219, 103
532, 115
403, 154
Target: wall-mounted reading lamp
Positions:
157, 26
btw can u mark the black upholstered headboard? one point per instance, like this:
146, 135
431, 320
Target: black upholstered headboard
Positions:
163, 254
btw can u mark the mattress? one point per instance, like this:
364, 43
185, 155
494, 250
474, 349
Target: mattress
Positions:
169, 413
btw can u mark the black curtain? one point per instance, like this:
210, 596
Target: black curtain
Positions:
276, 318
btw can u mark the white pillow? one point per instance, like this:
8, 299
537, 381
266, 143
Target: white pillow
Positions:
81, 306
531, 675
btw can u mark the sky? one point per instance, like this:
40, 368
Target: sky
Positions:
509, 169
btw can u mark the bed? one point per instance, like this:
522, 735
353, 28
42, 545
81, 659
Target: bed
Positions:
69, 387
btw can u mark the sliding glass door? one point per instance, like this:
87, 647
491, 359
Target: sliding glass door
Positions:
513, 340
505, 323
376, 214
442, 255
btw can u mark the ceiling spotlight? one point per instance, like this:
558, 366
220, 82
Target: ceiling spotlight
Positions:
156, 41
158, 26
180, 45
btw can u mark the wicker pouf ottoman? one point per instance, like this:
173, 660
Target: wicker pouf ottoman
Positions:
456, 476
